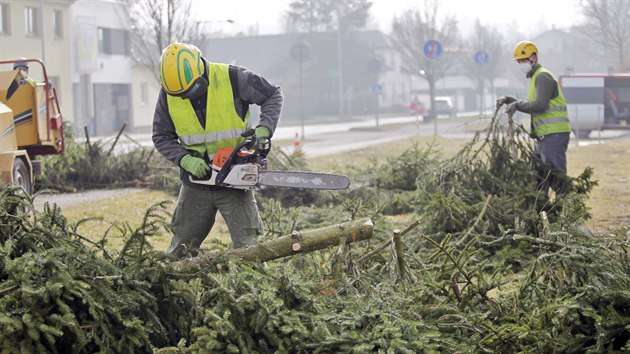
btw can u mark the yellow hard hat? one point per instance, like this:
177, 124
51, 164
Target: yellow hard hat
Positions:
524, 49
181, 70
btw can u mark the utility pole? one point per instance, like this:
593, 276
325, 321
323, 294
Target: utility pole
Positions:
339, 62
41, 29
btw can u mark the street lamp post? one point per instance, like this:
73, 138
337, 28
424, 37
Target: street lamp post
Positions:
339, 62
301, 52
41, 29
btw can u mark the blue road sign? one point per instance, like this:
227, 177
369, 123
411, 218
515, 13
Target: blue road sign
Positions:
432, 49
482, 57
377, 89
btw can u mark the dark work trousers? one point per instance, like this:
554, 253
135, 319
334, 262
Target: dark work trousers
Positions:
552, 150
195, 214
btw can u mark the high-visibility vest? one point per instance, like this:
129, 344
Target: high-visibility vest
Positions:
556, 118
223, 124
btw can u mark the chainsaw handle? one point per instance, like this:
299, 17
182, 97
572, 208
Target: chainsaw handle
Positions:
262, 152
227, 166
265, 150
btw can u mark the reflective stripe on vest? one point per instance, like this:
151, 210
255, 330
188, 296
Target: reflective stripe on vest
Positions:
555, 118
223, 124
212, 136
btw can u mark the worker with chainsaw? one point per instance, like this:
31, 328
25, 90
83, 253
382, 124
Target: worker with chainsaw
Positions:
204, 106
549, 118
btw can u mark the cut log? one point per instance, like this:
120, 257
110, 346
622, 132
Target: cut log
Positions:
283, 246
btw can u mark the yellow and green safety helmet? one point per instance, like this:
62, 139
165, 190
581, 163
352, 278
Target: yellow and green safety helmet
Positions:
181, 70
524, 50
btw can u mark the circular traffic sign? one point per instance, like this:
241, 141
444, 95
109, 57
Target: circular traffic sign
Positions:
482, 57
300, 52
377, 89
432, 49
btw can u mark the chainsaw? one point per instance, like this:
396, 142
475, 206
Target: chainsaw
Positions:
242, 169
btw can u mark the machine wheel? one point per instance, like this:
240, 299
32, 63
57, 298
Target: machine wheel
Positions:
21, 175
581, 134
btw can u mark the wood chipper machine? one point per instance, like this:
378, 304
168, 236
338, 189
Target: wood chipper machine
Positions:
30, 122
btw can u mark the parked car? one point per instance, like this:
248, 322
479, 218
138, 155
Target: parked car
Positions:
443, 106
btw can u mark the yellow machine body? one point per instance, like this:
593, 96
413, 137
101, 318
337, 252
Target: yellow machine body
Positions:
30, 123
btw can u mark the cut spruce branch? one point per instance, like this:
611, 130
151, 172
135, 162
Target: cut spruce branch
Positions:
288, 245
479, 217
116, 140
401, 266
387, 243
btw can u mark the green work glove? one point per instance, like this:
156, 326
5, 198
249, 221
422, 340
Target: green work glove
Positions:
194, 165
261, 133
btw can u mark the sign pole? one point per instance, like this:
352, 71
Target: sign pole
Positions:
432, 49
378, 108
481, 58
302, 100
300, 52
435, 128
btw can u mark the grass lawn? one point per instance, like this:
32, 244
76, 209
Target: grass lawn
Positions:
610, 201
129, 208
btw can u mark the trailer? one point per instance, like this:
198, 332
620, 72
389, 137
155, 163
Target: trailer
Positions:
30, 123
597, 102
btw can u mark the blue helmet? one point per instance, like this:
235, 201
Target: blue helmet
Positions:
18, 64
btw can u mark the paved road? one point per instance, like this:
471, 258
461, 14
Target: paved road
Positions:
68, 199
335, 136
341, 140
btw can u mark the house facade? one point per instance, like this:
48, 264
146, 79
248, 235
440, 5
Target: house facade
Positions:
29, 31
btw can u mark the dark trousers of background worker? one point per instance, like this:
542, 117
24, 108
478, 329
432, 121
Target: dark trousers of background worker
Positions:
552, 151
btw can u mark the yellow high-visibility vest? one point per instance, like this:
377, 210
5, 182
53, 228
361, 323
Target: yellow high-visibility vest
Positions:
556, 118
223, 124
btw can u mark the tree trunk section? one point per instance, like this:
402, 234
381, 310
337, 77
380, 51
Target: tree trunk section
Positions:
288, 245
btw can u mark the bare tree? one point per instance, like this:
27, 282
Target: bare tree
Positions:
409, 33
488, 40
310, 16
157, 23
608, 24
326, 15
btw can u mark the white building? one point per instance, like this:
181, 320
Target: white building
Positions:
27, 30
110, 89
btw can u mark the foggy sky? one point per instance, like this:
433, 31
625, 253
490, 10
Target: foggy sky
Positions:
526, 15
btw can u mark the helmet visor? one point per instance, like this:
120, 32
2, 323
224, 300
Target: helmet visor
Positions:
195, 90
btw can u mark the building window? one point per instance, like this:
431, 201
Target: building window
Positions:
4, 18
32, 21
143, 93
113, 41
57, 21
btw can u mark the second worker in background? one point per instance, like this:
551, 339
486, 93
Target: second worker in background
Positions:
549, 117
202, 107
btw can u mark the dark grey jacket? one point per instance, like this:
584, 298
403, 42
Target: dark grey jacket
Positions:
248, 88
546, 90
